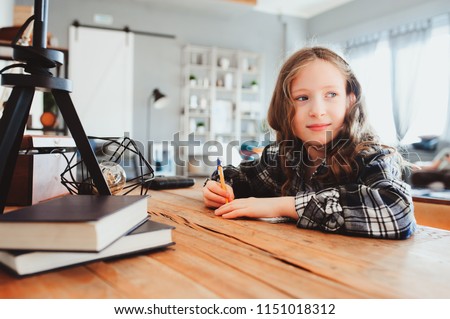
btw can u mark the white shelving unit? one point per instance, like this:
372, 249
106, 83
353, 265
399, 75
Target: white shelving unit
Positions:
221, 102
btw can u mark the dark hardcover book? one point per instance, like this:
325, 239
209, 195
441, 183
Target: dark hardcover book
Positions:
147, 236
73, 222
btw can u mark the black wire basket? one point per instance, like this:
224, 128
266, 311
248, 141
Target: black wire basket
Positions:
120, 151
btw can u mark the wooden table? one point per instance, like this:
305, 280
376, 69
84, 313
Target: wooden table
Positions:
218, 258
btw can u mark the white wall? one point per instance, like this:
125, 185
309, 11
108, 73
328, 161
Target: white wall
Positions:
364, 17
157, 61
6, 13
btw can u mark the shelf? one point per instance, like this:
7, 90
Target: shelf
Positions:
200, 88
198, 114
223, 89
201, 134
229, 70
250, 72
200, 66
250, 91
232, 108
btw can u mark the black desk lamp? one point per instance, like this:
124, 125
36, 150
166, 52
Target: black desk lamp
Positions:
37, 61
158, 101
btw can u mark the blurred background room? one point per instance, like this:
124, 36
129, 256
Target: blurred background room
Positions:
216, 61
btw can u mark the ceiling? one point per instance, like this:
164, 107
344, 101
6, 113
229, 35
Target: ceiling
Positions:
299, 8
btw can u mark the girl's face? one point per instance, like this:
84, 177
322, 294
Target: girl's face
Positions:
320, 102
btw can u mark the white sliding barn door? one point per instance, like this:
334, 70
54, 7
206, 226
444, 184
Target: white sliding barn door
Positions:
101, 68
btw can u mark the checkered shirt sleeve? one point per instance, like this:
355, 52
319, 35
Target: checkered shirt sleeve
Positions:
260, 177
377, 204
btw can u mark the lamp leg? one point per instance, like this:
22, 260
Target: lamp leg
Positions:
12, 127
73, 122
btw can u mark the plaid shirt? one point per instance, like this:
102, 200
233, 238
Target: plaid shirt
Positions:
377, 203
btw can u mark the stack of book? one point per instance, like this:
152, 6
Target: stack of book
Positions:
78, 228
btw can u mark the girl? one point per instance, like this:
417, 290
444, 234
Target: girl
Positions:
326, 169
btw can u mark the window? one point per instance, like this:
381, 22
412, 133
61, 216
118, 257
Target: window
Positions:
372, 66
405, 77
433, 89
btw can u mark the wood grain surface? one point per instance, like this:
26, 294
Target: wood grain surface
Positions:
218, 258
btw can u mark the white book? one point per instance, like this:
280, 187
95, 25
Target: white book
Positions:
147, 236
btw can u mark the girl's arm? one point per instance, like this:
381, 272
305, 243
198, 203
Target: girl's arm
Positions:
259, 208
379, 205
259, 177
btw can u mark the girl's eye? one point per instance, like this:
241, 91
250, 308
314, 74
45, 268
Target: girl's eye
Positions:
302, 98
331, 94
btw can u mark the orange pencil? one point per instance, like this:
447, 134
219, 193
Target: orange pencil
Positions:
222, 178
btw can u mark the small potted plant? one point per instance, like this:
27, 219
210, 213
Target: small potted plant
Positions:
254, 85
193, 80
201, 127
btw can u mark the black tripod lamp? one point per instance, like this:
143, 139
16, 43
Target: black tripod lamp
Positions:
36, 61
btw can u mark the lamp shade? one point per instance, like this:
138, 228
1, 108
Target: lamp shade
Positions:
159, 99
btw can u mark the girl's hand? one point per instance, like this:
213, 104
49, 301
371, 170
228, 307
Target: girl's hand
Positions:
214, 196
259, 208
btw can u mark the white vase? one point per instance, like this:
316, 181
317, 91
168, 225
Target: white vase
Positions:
224, 63
200, 129
193, 101
228, 81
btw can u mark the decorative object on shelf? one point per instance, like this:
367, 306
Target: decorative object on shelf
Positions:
203, 102
228, 81
245, 65
205, 82
193, 80
110, 151
201, 127
193, 101
50, 115
254, 85
196, 58
224, 63
48, 119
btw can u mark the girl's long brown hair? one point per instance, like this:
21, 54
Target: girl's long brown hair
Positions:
356, 132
